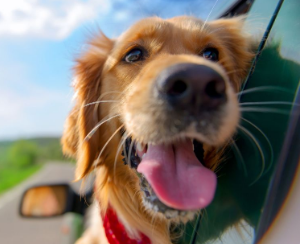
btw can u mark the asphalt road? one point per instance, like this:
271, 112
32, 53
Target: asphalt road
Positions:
14, 229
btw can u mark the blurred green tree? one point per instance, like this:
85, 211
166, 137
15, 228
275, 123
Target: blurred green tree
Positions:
22, 154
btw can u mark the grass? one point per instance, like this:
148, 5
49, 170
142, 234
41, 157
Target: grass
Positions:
36, 151
10, 176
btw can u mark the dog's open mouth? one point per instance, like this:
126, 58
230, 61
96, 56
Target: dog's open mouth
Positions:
172, 176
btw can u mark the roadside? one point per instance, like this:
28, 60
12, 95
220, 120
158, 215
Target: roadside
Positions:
14, 229
9, 177
19, 159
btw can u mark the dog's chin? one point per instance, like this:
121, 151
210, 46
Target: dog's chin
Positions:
133, 155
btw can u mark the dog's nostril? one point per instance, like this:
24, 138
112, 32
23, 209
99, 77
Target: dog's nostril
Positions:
178, 88
215, 89
191, 87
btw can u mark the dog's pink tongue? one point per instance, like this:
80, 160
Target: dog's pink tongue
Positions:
177, 177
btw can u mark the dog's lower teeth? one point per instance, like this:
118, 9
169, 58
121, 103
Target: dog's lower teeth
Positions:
171, 213
143, 155
155, 208
139, 147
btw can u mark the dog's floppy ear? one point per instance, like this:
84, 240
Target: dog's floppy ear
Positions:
239, 43
83, 118
70, 136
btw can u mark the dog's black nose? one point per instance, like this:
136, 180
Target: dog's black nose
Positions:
191, 86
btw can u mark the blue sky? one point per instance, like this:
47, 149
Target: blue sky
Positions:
39, 40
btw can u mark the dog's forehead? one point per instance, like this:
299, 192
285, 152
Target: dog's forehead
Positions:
149, 27
187, 23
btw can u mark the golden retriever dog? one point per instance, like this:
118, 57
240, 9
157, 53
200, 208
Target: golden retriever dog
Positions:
154, 110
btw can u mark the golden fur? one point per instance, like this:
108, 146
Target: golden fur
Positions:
100, 75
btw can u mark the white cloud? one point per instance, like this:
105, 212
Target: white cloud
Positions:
54, 19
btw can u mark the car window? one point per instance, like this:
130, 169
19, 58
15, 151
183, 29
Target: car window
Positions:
255, 157
278, 68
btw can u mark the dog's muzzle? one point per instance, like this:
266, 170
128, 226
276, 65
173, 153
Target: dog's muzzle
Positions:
173, 165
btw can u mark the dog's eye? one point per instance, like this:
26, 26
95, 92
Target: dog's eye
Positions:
210, 53
134, 55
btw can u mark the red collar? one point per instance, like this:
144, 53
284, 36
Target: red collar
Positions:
116, 233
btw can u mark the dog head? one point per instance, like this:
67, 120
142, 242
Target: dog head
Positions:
164, 93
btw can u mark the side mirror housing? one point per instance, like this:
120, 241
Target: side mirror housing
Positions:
52, 200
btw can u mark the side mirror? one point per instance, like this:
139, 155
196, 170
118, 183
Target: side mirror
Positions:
52, 200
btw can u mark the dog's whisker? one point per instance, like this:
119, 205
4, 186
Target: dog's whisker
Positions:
269, 103
206, 20
97, 102
121, 143
264, 88
91, 133
239, 154
92, 103
252, 137
267, 140
105, 145
264, 110
100, 99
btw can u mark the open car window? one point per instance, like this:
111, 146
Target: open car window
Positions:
263, 158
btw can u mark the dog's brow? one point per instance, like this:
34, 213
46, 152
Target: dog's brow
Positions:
146, 29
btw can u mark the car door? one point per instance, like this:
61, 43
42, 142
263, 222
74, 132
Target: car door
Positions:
254, 181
